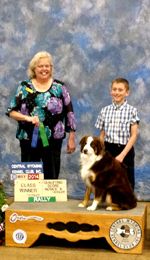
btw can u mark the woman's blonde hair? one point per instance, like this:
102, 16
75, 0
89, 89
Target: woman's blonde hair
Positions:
34, 61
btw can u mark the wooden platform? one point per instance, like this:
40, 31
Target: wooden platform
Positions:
123, 230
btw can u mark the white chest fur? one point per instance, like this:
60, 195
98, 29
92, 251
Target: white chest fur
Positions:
87, 162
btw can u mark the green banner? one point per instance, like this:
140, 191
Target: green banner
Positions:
43, 135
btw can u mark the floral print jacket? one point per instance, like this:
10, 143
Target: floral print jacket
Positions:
53, 107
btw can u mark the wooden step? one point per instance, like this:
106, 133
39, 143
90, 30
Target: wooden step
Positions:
123, 230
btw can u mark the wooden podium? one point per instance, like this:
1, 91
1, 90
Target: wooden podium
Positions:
123, 230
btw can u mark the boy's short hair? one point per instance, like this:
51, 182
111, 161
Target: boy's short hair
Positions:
121, 80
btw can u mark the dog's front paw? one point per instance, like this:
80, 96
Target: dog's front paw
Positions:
81, 205
93, 206
90, 208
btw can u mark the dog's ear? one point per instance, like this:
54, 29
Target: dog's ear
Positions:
83, 140
99, 146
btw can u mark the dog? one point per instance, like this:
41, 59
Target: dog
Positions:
105, 177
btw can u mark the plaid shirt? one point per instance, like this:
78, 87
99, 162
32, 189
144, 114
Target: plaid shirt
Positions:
116, 122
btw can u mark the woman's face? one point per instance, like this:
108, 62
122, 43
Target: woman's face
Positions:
43, 69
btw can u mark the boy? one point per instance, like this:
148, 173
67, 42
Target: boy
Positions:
118, 124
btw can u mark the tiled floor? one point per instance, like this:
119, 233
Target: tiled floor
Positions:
57, 251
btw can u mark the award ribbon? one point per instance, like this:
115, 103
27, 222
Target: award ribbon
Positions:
43, 135
35, 137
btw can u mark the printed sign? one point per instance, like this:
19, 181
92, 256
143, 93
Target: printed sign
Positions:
34, 171
40, 190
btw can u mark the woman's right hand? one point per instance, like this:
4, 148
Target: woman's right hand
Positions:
33, 119
20, 117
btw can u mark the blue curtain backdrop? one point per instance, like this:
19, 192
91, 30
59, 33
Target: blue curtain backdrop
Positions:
92, 42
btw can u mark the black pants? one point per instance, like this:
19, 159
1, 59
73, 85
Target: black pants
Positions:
116, 149
50, 156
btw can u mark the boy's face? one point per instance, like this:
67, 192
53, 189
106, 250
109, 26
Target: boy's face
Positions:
119, 92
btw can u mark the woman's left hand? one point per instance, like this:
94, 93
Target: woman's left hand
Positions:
71, 146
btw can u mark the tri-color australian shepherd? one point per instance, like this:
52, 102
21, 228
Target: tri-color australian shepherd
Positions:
105, 177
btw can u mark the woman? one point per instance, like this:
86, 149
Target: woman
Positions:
43, 108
